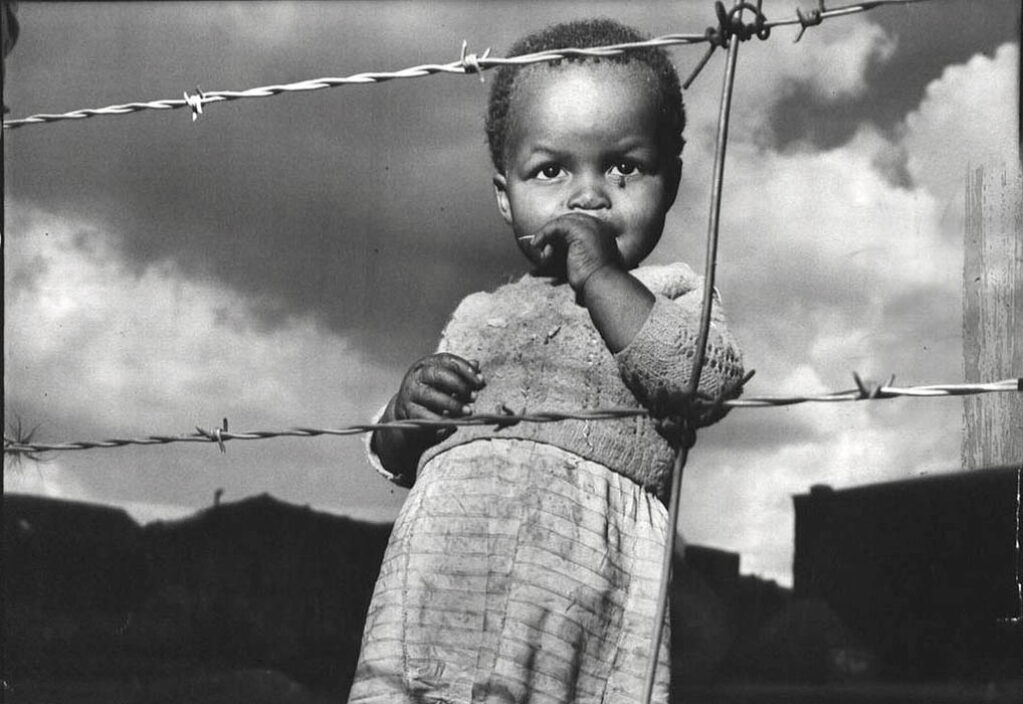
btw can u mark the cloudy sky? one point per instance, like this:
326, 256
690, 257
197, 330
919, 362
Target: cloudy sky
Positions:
282, 261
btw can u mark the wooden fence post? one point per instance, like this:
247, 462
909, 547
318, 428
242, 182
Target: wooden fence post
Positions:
993, 314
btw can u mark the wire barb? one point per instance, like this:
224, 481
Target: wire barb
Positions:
471, 62
215, 435
872, 392
195, 102
811, 19
512, 418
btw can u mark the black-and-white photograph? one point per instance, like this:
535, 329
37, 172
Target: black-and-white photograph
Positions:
512, 352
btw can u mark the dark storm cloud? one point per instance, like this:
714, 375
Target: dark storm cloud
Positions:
335, 225
368, 206
929, 36
362, 205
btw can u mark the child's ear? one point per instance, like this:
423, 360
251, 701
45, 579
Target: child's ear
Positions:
674, 178
501, 194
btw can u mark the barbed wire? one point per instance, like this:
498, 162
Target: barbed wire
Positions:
506, 418
469, 63
730, 26
820, 13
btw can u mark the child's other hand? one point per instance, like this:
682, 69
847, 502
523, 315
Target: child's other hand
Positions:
438, 386
580, 243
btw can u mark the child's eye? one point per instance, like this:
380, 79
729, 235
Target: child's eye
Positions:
624, 168
549, 172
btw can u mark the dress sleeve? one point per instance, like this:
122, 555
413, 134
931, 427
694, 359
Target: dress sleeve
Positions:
374, 459
657, 364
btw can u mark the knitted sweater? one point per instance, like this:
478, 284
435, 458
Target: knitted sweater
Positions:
538, 350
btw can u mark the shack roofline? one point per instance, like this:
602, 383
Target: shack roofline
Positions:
39, 504
960, 476
255, 502
264, 503
43, 505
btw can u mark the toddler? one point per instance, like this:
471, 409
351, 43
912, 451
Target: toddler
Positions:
524, 564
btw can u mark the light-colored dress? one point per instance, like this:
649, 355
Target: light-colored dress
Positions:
524, 564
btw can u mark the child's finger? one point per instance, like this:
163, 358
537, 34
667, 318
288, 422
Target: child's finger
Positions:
558, 234
440, 403
468, 372
447, 381
547, 240
418, 412
568, 226
547, 235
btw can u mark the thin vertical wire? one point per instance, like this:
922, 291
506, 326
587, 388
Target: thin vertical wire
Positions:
710, 265
1018, 619
662, 592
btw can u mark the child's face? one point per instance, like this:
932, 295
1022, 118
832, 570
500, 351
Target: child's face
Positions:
585, 138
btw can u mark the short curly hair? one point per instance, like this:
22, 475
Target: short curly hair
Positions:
585, 34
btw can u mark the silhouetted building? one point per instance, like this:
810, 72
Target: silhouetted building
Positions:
719, 568
922, 572
72, 574
261, 581
89, 594
70, 555
718, 615
260, 585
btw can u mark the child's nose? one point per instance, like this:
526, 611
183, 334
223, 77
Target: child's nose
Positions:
589, 192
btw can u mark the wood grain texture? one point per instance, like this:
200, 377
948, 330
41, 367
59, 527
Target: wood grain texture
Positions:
993, 313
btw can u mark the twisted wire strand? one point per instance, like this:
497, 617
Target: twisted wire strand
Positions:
467, 64
14, 446
823, 13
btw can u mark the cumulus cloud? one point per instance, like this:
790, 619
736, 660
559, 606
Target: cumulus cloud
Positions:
94, 349
832, 63
833, 268
968, 117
